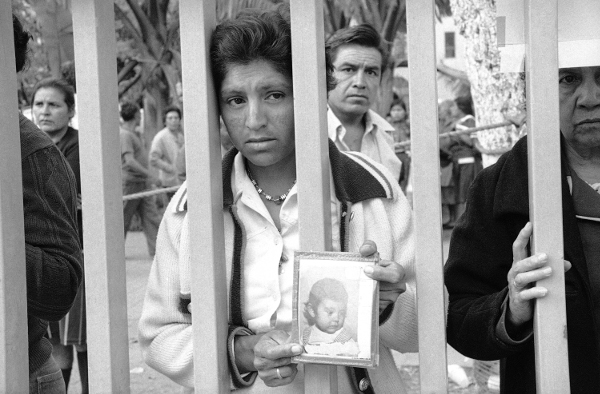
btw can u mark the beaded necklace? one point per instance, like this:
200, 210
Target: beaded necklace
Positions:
277, 200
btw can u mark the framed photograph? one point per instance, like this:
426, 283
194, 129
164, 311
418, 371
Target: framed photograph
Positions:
335, 309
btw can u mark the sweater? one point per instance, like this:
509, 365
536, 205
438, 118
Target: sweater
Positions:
52, 248
376, 209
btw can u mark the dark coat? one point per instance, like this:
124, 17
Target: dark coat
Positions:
475, 275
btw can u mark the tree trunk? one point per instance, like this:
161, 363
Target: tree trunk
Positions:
494, 93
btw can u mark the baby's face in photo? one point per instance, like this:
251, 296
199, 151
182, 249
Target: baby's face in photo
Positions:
329, 315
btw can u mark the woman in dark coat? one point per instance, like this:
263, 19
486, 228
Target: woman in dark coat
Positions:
489, 275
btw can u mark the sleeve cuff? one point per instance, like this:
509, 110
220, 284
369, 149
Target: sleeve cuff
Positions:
524, 334
238, 380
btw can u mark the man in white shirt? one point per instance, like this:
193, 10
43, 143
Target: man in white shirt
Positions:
165, 148
358, 59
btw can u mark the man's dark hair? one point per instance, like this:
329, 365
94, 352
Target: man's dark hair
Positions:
465, 104
128, 110
364, 35
21, 38
255, 35
58, 84
171, 108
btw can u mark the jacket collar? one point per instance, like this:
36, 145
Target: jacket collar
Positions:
355, 177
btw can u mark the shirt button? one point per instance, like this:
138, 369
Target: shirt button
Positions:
364, 384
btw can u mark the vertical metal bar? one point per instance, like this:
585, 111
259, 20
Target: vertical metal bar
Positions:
95, 49
545, 201
310, 104
13, 298
426, 197
205, 199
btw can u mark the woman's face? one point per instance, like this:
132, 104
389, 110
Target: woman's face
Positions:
579, 100
172, 120
257, 107
50, 112
397, 113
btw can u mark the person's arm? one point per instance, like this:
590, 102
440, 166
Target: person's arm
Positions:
53, 252
156, 157
132, 163
476, 272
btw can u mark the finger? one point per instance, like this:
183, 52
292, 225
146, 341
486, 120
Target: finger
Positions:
530, 263
567, 265
531, 294
388, 273
525, 278
271, 378
520, 244
275, 352
368, 248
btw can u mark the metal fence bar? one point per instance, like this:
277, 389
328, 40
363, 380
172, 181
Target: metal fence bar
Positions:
13, 298
427, 204
545, 201
205, 199
312, 153
95, 49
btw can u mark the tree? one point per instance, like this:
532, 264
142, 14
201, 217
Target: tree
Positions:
388, 17
494, 94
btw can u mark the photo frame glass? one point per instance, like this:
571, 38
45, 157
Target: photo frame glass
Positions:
335, 309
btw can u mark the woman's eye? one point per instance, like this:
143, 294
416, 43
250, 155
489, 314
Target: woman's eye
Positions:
276, 96
235, 101
568, 79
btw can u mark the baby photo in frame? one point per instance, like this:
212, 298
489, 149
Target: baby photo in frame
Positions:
335, 309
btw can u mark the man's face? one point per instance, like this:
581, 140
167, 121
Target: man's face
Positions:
579, 100
172, 120
358, 73
329, 315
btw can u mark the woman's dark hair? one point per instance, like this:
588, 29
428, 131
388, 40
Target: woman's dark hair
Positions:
465, 104
364, 35
255, 35
21, 38
128, 110
399, 102
171, 108
59, 84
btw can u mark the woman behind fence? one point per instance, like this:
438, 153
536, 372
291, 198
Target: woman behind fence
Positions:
490, 275
53, 107
251, 61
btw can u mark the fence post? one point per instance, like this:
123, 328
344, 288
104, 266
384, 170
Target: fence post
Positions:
205, 198
426, 195
14, 364
545, 193
104, 247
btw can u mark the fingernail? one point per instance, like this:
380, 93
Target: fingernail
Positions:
296, 349
368, 270
544, 292
547, 271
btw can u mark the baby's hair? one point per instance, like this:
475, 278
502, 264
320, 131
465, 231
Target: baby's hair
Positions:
323, 289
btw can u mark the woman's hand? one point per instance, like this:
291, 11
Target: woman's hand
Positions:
525, 271
389, 274
272, 358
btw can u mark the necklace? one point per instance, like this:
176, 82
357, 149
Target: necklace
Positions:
277, 200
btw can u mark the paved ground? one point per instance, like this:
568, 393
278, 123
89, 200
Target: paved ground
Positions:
146, 380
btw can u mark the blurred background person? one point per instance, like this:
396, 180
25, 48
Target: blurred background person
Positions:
166, 146
398, 118
136, 177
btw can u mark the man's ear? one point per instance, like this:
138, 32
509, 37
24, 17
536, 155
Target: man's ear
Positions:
311, 311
